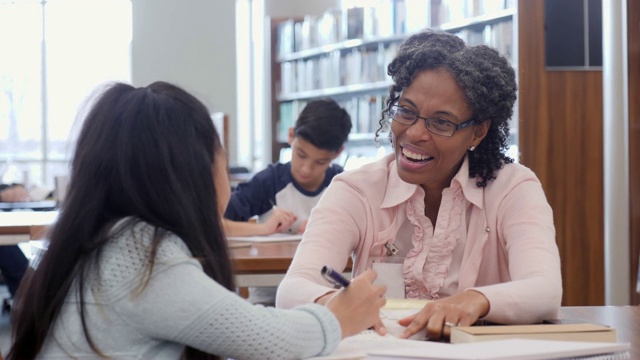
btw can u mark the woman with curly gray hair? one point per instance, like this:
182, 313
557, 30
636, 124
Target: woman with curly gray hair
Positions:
448, 216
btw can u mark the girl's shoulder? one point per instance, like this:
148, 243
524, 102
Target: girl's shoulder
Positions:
128, 254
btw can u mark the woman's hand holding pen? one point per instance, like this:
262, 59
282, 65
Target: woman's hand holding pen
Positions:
279, 221
439, 316
357, 307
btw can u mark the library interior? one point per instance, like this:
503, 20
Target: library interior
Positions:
256, 64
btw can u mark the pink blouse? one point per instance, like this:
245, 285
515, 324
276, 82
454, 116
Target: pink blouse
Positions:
498, 240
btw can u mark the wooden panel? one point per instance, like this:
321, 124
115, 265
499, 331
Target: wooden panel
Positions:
633, 12
575, 102
561, 141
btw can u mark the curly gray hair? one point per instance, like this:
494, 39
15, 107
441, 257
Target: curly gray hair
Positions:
487, 81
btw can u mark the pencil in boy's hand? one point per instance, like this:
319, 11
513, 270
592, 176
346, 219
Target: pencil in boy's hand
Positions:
334, 277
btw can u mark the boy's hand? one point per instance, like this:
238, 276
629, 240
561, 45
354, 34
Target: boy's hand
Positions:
279, 221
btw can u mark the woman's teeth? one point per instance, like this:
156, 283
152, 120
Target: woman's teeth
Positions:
413, 156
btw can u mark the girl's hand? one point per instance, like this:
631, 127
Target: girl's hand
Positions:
357, 307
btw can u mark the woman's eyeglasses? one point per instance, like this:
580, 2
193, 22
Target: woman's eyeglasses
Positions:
437, 126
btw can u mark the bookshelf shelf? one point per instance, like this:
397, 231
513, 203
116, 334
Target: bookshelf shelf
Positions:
478, 21
343, 45
357, 89
360, 137
348, 60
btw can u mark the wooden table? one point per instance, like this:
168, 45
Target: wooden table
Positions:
261, 264
21, 226
264, 264
256, 264
262, 258
625, 319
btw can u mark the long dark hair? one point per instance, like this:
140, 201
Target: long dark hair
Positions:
145, 153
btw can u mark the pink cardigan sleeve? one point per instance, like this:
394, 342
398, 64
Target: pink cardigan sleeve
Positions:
524, 224
333, 232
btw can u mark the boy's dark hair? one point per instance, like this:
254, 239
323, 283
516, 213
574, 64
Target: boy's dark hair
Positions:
324, 124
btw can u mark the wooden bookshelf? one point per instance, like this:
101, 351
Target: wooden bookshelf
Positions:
352, 70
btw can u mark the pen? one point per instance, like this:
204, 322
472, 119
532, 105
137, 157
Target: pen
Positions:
334, 276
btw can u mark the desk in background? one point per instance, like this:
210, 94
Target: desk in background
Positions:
262, 264
256, 264
22, 226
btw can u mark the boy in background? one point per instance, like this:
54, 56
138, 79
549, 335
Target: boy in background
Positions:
282, 195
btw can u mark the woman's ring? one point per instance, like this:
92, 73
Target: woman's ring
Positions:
450, 324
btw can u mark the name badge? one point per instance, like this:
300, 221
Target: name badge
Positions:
390, 274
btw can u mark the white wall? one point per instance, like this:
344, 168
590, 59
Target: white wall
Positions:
190, 43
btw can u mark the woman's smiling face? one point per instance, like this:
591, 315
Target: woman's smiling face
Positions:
425, 158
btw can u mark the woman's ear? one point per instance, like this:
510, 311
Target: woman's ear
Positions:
480, 131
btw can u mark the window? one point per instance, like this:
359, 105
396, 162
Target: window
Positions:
55, 53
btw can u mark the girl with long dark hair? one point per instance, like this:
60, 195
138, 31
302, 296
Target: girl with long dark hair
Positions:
137, 264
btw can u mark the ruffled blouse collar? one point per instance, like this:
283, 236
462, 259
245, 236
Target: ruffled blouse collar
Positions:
398, 191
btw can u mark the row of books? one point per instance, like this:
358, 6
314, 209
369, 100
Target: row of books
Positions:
365, 112
458, 10
289, 111
368, 65
384, 19
336, 68
498, 35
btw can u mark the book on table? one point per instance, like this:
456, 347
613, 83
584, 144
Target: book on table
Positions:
567, 332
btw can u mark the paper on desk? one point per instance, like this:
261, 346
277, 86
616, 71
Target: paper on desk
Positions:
396, 309
369, 345
508, 349
266, 239
415, 304
357, 346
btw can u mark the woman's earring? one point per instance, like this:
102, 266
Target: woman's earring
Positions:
472, 148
